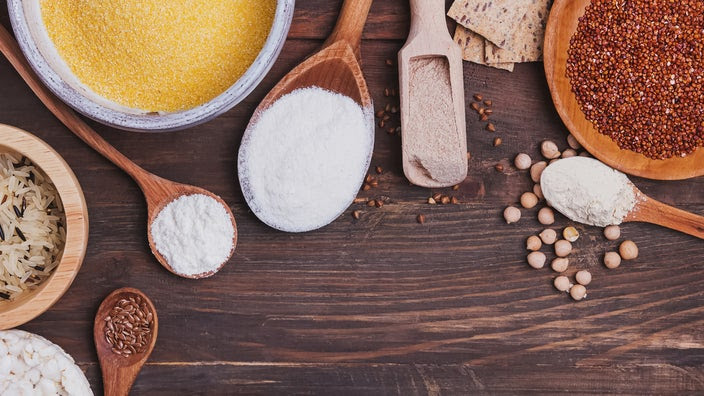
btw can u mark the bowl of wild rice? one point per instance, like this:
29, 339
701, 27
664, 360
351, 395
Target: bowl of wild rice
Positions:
43, 227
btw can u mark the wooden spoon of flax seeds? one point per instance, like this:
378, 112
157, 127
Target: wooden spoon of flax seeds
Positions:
124, 332
157, 191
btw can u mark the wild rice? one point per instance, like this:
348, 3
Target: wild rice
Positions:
32, 234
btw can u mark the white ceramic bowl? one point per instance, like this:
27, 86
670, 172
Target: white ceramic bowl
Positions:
34, 40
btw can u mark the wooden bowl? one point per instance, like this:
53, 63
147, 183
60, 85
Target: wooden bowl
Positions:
32, 304
561, 26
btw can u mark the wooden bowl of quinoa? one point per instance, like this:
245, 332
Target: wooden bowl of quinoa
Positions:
151, 66
46, 183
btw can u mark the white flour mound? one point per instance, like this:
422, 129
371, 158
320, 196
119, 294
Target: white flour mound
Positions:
32, 365
194, 233
587, 191
303, 161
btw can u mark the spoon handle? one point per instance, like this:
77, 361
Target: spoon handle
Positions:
427, 16
117, 381
656, 212
9, 47
350, 24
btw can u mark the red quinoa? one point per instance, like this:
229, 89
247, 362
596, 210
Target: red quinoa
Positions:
637, 69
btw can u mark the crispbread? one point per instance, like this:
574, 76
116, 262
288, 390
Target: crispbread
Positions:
495, 20
526, 44
472, 46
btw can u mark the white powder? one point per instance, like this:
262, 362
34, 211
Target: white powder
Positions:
194, 233
303, 161
587, 191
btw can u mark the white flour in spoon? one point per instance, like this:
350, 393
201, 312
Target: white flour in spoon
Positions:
587, 191
303, 161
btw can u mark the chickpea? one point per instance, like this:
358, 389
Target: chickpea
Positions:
537, 170
569, 153
612, 232
562, 283
585, 154
538, 191
546, 216
563, 248
560, 264
533, 243
573, 143
549, 149
571, 234
548, 236
628, 250
583, 277
512, 215
537, 260
612, 260
529, 200
522, 161
578, 292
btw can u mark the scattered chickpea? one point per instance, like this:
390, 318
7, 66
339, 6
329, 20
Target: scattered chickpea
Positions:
538, 191
585, 154
612, 260
537, 170
523, 161
573, 143
560, 264
562, 283
583, 277
529, 200
563, 248
628, 250
552, 161
548, 236
569, 153
546, 216
537, 260
571, 234
549, 149
533, 243
612, 232
578, 292
512, 214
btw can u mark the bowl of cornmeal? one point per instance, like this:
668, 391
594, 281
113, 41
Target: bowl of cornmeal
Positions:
151, 65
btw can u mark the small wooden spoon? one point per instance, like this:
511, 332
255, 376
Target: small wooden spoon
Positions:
335, 67
562, 24
649, 210
157, 191
429, 38
119, 372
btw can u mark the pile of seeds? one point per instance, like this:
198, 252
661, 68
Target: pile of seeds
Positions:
483, 107
128, 327
637, 69
549, 237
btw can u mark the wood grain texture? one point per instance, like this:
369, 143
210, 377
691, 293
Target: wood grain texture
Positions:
382, 305
32, 304
561, 26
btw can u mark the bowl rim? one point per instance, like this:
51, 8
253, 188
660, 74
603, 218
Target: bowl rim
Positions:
76, 210
150, 122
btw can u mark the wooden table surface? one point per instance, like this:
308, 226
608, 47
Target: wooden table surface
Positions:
381, 305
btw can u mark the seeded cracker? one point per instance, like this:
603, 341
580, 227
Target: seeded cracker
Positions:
495, 20
472, 46
527, 42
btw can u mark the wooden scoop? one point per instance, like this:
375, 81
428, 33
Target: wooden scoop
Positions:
158, 192
335, 67
649, 210
119, 372
431, 157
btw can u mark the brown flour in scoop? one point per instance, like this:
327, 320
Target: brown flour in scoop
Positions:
432, 113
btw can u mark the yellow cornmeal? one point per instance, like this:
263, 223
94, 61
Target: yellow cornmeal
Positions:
158, 55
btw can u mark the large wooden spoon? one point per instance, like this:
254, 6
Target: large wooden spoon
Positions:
336, 67
157, 191
434, 156
564, 18
119, 372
